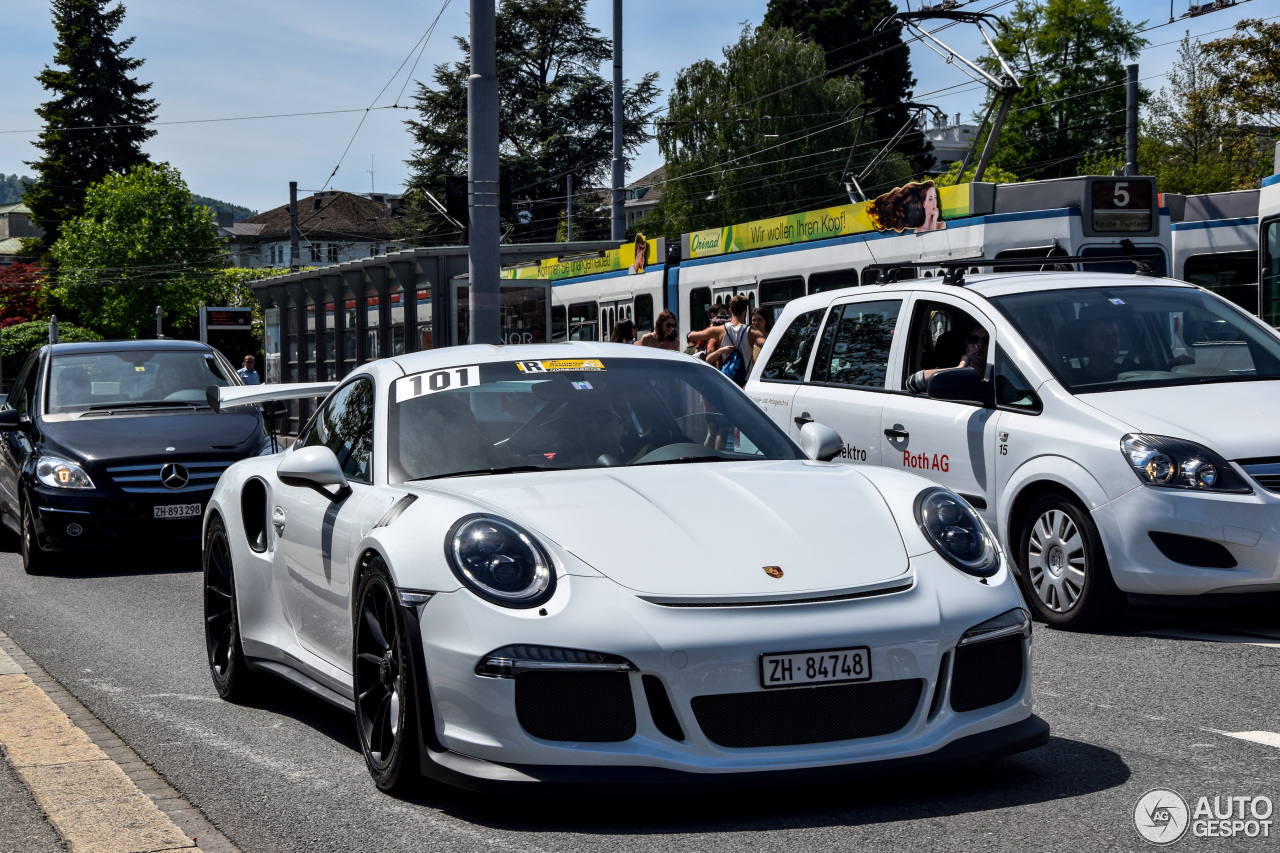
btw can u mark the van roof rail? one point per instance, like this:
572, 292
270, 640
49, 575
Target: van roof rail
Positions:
886, 273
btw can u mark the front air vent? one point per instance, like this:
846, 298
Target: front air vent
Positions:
986, 674
583, 707
1193, 551
664, 716
1264, 470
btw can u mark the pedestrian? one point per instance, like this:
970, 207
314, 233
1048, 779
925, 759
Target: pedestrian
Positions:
760, 323
247, 374
665, 334
624, 332
718, 315
733, 342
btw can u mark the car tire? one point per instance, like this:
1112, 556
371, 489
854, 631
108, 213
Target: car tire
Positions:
35, 559
231, 675
1065, 575
386, 714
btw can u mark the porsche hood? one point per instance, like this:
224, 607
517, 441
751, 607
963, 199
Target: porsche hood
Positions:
710, 529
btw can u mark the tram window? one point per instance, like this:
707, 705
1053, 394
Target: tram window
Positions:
1038, 252
1271, 272
776, 292
789, 358
559, 323
699, 308
1231, 275
644, 312
821, 282
582, 321
1149, 253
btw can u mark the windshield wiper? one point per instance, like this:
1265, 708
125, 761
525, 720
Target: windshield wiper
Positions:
147, 404
476, 472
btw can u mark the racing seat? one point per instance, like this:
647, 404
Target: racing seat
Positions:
439, 435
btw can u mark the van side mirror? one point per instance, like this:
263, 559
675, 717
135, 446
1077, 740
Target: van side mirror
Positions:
11, 419
958, 385
317, 467
820, 443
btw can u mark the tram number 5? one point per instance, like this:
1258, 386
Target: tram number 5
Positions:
1121, 197
432, 382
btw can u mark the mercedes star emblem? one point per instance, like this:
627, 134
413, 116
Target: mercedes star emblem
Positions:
173, 475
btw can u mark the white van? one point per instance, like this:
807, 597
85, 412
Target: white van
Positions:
1122, 438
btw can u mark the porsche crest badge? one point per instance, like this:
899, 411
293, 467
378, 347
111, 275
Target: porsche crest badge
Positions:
773, 571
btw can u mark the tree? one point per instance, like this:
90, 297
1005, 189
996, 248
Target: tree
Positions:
845, 30
742, 143
96, 122
555, 115
1249, 72
21, 293
19, 341
993, 175
12, 187
1070, 57
139, 244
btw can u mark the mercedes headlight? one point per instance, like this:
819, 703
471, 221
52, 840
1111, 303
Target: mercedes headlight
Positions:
957, 532
62, 473
499, 562
1173, 463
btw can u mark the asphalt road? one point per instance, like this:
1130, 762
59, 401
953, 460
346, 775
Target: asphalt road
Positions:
1131, 711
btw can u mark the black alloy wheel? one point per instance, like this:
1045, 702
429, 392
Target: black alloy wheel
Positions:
1065, 575
385, 712
231, 674
35, 560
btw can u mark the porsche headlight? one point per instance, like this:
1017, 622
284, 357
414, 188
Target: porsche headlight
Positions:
499, 562
957, 532
1173, 463
62, 473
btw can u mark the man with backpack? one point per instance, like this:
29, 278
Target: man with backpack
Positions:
733, 342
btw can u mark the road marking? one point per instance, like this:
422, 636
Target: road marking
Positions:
1264, 738
1211, 637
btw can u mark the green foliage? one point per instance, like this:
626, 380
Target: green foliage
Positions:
761, 151
237, 212
993, 175
1249, 77
845, 29
19, 341
1070, 56
12, 187
139, 244
554, 117
95, 123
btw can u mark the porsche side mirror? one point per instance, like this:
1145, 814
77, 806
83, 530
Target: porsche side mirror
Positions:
11, 419
317, 467
820, 443
958, 385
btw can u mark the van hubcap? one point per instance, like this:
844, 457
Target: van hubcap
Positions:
1056, 561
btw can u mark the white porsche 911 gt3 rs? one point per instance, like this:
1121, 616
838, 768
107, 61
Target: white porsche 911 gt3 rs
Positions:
602, 564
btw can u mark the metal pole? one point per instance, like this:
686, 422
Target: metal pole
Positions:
619, 229
482, 173
1131, 123
568, 212
293, 225
990, 148
159, 319
204, 325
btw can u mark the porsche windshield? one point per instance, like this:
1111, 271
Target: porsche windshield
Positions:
1112, 338
572, 413
133, 379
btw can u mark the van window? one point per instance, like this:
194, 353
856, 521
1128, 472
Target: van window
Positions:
1231, 275
1013, 391
1271, 272
860, 342
939, 332
790, 357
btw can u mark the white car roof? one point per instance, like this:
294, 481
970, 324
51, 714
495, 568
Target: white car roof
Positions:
987, 285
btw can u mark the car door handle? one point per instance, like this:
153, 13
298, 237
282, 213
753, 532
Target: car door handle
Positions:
803, 419
896, 433
277, 520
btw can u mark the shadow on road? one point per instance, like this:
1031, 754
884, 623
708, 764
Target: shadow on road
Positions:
280, 697
1059, 770
153, 561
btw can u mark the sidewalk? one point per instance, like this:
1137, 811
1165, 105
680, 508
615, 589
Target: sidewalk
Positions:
23, 826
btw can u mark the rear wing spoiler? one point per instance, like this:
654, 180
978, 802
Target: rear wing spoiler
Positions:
219, 396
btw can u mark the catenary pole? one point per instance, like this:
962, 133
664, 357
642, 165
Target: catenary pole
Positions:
619, 227
1131, 122
482, 176
293, 225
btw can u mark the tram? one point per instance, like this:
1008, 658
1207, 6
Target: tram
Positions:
1214, 243
1268, 246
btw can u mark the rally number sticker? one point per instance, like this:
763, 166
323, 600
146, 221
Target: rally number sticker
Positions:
434, 381
555, 365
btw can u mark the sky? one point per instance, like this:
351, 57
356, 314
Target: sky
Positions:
210, 62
